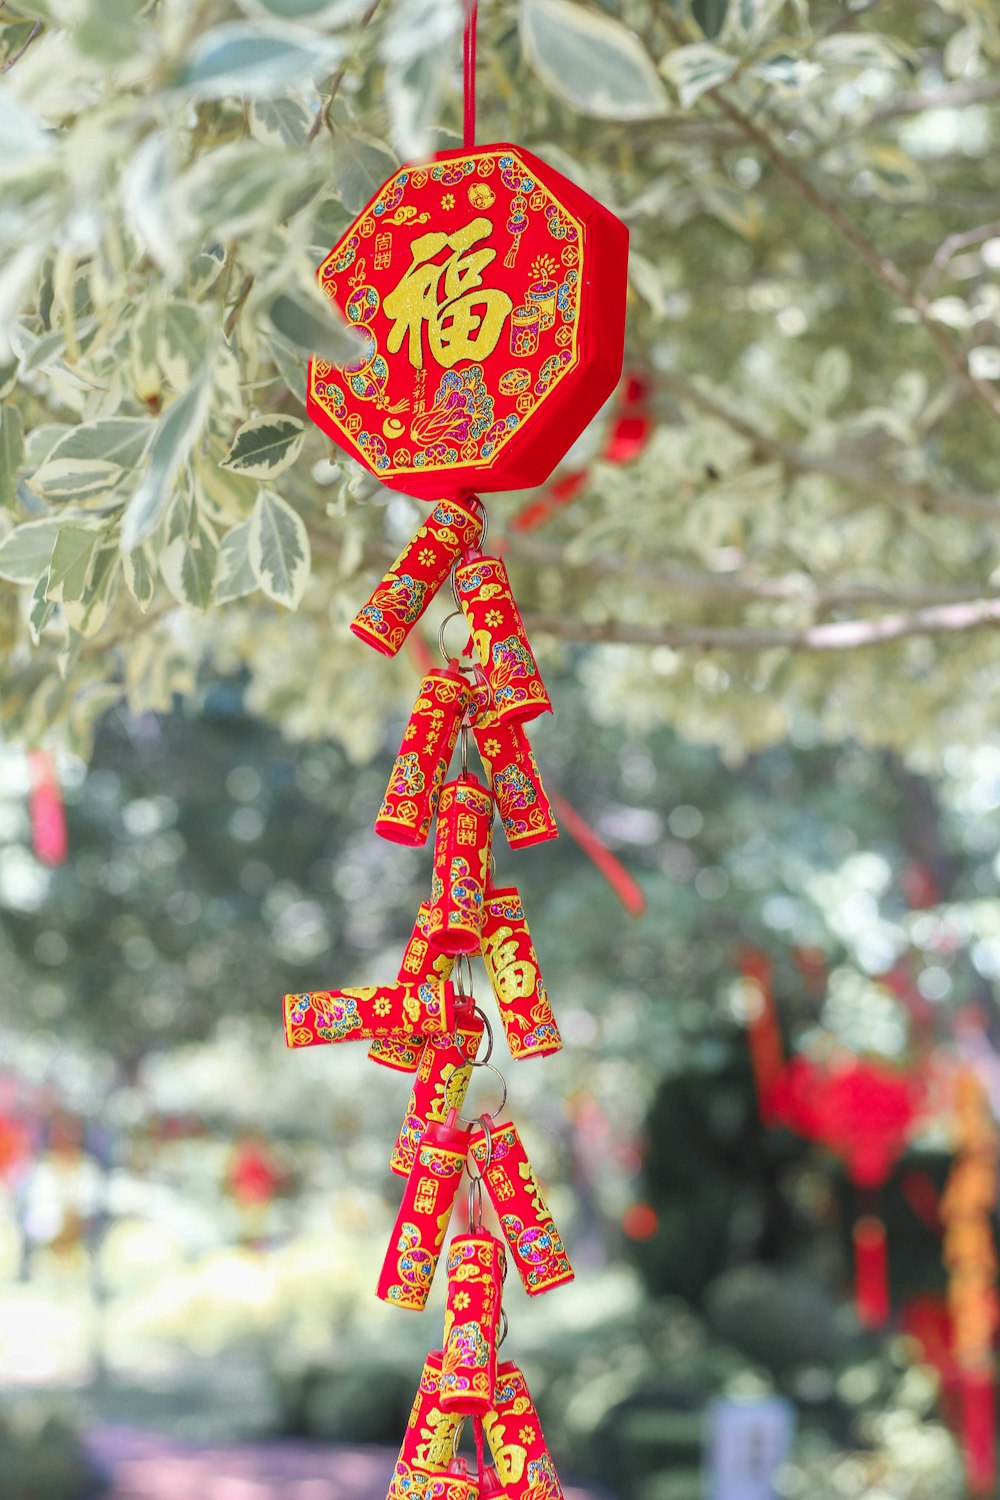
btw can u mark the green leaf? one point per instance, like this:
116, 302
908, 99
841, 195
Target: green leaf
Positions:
176, 433
858, 49
895, 176
251, 62
88, 614
75, 478
180, 344
72, 559
118, 440
11, 453
331, 12
360, 166
188, 561
309, 322
264, 446
591, 61
695, 69
279, 549
235, 576
280, 122
710, 16
25, 553
139, 578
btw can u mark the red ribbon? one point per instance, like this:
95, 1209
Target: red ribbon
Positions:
469, 75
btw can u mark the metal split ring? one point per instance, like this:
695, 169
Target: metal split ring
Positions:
484, 1061
506, 1326
454, 615
493, 1113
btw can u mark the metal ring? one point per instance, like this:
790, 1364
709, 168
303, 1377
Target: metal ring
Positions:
493, 1113
477, 500
466, 994
484, 1061
454, 615
484, 1121
464, 736
475, 1204
506, 1327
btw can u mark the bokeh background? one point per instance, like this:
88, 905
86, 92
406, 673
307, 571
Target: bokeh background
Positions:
764, 590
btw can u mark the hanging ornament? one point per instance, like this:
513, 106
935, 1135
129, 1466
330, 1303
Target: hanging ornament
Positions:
489, 294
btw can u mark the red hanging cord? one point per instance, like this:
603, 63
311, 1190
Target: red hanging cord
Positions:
469, 74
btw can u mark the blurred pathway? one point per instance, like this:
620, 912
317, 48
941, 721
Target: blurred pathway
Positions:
149, 1466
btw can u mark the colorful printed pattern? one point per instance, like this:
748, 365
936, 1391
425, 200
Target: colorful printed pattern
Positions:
431, 1434
441, 1084
524, 809
516, 687
426, 1009
417, 776
512, 965
476, 1264
461, 865
420, 961
422, 1222
469, 299
515, 1192
416, 575
514, 1433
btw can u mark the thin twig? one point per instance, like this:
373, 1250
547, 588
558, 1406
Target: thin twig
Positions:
15, 57
323, 113
836, 635
950, 247
976, 91
237, 306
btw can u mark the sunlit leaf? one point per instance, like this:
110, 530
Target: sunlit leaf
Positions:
264, 446
279, 549
591, 61
176, 434
254, 63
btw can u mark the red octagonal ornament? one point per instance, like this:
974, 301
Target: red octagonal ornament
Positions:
492, 291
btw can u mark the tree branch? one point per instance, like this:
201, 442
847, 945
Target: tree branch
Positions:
323, 113
836, 635
882, 267
15, 57
953, 501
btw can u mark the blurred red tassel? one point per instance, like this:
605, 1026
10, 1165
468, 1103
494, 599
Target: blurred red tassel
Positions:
48, 813
871, 1271
628, 891
764, 1043
979, 1428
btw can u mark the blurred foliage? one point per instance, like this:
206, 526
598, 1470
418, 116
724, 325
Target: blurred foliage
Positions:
40, 1455
811, 191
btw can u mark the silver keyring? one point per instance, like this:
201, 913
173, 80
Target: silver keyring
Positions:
454, 615
506, 1326
484, 1121
475, 1204
493, 1113
484, 1061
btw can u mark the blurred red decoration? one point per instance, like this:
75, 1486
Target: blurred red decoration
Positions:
49, 839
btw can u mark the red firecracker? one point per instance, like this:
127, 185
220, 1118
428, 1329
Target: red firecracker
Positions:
359, 1015
528, 1227
441, 1083
476, 1267
514, 1433
431, 1434
512, 965
416, 575
461, 866
517, 691
419, 770
422, 1222
420, 961
523, 807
